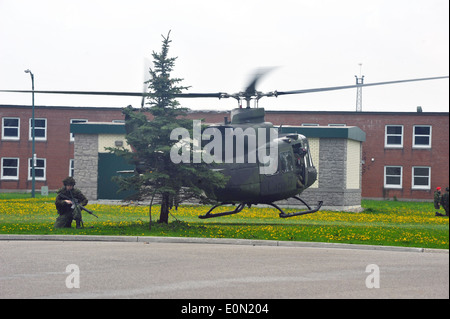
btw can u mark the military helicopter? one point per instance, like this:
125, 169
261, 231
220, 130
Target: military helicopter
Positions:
254, 182
251, 182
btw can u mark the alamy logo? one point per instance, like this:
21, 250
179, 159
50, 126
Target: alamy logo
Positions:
229, 145
373, 279
73, 279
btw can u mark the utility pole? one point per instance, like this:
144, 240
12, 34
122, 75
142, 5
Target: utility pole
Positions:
359, 82
33, 155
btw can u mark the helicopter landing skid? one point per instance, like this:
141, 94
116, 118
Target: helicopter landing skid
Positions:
235, 211
241, 206
303, 212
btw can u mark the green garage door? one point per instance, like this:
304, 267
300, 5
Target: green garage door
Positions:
108, 166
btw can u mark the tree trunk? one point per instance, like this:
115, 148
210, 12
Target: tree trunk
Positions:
150, 211
165, 205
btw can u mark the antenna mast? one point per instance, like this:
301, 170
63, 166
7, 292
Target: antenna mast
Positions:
359, 81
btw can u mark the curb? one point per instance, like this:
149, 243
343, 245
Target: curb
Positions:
221, 241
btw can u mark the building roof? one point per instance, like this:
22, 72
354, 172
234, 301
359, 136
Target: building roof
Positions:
345, 132
227, 111
98, 128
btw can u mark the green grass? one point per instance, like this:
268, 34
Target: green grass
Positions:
392, 223
51, 196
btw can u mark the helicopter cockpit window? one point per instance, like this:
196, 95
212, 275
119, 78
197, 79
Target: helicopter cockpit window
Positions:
306, 154
286, 162
309, 159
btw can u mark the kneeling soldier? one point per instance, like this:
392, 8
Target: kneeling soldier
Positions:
68, 210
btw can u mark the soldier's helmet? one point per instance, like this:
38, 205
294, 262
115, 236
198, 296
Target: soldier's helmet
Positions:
69, 181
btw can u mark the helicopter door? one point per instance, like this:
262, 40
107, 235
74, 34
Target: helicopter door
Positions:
309, 170
275, 186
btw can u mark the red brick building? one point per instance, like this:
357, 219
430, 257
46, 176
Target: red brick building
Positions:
405, 155
53, 143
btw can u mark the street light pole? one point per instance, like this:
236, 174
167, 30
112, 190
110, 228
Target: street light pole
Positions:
33, 159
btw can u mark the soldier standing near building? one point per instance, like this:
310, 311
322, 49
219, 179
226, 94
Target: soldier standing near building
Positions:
437, 200
444, 201
67, 209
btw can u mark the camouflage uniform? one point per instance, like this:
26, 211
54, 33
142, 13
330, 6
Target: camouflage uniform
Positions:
68, 212
444, 201
437, 198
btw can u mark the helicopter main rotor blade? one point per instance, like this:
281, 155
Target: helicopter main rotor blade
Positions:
248, 94
333, 88
251, 87
76, 92
180, 95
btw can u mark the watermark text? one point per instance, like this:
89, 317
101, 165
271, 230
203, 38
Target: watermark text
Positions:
226, 145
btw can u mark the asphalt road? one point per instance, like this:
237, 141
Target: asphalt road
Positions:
45, 269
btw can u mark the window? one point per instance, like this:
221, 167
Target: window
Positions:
71, 167
11, 128
286, 162
393, 177
40, 129
39, 169
73, 121
310, 124
10, 168
337, 124
422, 136
394, 136
421, 177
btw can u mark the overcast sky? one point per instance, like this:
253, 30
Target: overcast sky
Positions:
101, 45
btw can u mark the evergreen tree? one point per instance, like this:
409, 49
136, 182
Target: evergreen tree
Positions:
149, 137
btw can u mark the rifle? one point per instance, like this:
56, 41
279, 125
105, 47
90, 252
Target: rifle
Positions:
75, 202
